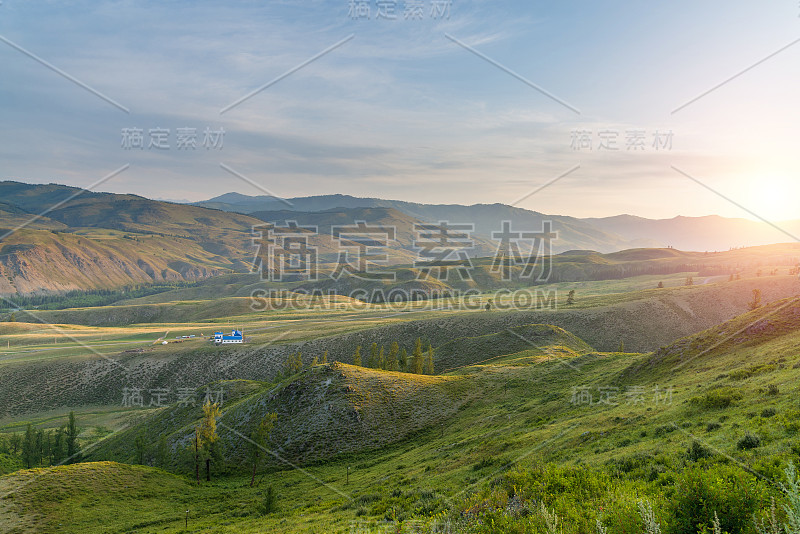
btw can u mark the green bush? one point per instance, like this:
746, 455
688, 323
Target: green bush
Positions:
710, 427
732, 493
717, 398
749, 441
698, 451
268, 504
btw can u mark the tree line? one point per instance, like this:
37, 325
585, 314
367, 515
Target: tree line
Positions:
89, 298
37, 447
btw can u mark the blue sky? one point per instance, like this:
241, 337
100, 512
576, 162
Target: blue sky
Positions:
402, 111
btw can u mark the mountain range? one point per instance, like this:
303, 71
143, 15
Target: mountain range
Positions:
605, 234
56, 238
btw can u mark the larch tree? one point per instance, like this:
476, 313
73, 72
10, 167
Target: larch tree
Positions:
258, 441
429, 369
73, 448
416, 357
391, 363
208, 432
373, 356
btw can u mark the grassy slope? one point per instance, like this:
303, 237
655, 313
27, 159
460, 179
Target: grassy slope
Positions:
46, 377
524, 413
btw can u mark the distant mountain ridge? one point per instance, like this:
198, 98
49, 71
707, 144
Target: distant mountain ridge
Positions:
603, 234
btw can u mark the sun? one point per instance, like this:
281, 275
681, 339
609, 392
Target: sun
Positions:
774, 198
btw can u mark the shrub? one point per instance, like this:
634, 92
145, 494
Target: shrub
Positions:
700, 491
717, 398
710, 427
768, 412
268, 504
698, 451
665, 429
749, 441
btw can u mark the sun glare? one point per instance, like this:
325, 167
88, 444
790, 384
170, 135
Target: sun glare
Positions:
774, 198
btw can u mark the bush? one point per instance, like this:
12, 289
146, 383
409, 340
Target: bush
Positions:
699, 492
268, 504
717, 398
768, 412
749, 441
698, 451
710, 427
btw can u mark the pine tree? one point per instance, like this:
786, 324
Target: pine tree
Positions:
73, 448
38, 449
403, 360
416, 357
29, 447
58, 451
392, 364
429, 369
162, 452
382, 359
15, 441
357, 356
756, 302
314, 362
571, 297
373, 356
140, 443
197, 447
325, 357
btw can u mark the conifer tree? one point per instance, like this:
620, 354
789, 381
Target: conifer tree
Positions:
382, 359
429, 369
208, 431
73, 449
258, 441
391, 363
29, 447
324, 357
373, 356
403, 360
357, 356
416, 357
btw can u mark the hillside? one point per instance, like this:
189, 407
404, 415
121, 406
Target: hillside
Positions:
78, 377
461, 445
327, 411
83, 497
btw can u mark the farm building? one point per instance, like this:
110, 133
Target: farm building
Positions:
236, 337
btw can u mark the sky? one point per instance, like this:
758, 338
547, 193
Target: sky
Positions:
457, 102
